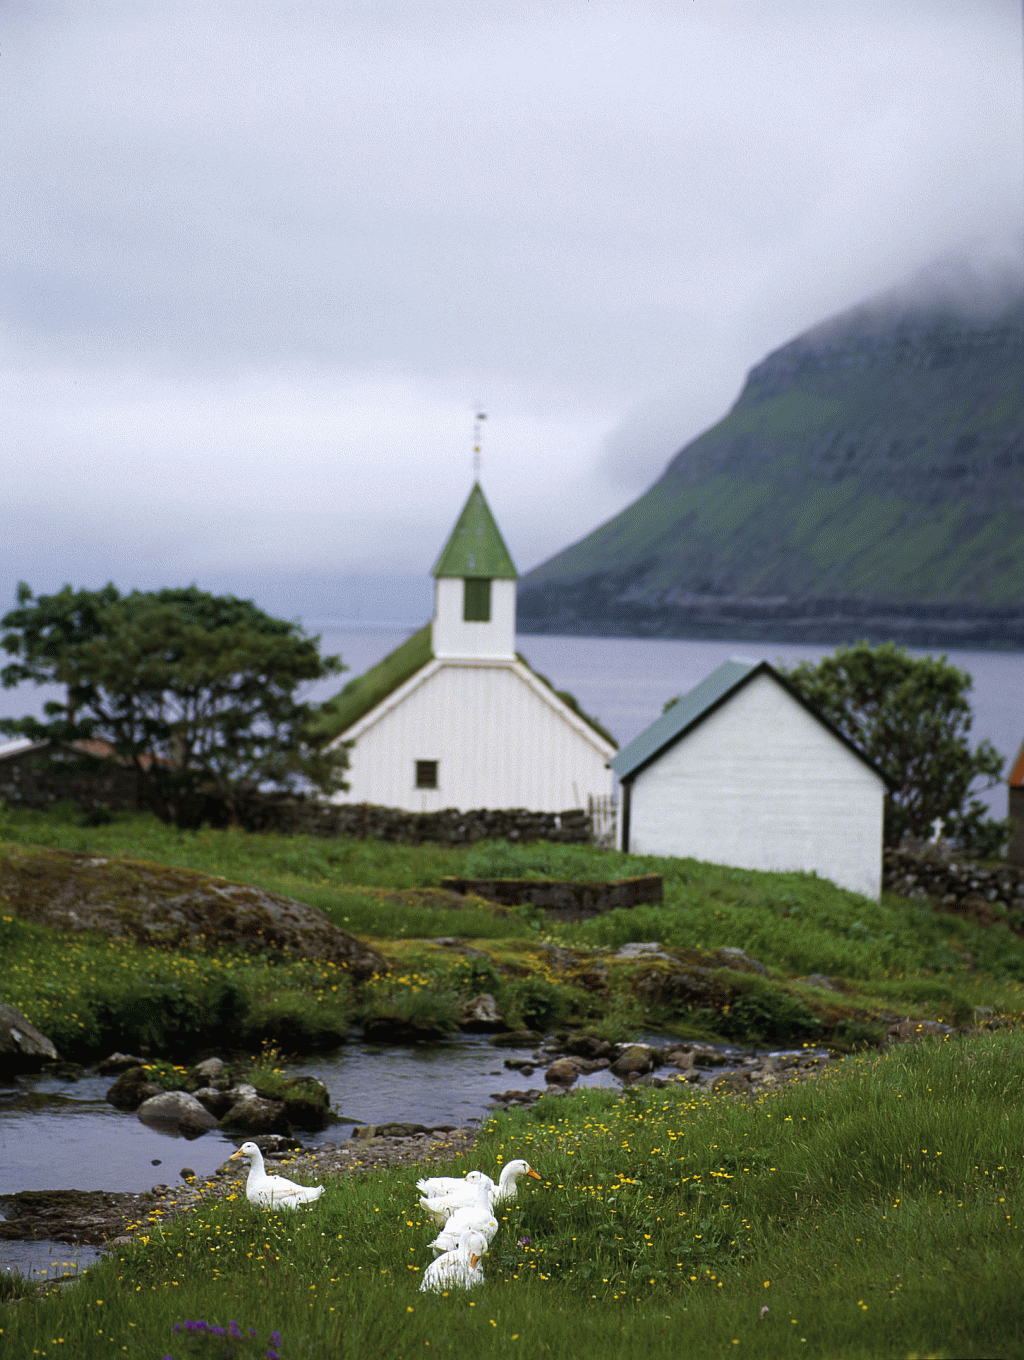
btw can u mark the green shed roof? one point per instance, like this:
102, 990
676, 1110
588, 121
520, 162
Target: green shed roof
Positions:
476, 547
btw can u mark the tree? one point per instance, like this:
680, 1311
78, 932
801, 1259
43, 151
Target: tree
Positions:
196, 691
911, 716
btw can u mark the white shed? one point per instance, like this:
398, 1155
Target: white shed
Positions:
454, 718
742, 771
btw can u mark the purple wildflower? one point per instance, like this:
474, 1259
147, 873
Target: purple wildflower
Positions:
275, 1338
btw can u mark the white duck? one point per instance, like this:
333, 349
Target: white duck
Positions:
458, 1269
441, 1207
272, 1192
442, 1195
475, 1217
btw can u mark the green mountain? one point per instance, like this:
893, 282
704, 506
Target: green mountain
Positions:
868, 482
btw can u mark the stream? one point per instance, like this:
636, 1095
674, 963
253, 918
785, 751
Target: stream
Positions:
58, 1134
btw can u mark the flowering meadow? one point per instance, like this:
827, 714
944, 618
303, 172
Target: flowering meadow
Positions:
869, 1213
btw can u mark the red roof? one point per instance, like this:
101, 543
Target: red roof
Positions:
1016, 779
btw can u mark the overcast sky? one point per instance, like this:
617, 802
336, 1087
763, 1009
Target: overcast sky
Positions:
263, 260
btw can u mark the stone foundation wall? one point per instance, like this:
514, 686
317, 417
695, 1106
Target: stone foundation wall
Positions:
563, 901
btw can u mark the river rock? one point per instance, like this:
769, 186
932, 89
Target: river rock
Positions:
562, 1072
131, 1089
177, 1108
22, 1047
118, 1062
177, 908
253, 1114
272, 1143
207, 1072
517, 1038
587, 1046
634, 1060
218, 1102
481, 1015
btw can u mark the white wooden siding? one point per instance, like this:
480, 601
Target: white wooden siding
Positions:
760, 784
500, 737
451, 635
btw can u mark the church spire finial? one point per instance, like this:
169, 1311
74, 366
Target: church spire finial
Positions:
481, 416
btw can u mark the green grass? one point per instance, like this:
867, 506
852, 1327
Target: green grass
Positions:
872, 1213
88, 994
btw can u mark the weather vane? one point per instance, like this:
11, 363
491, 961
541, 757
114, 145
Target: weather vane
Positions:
481, 416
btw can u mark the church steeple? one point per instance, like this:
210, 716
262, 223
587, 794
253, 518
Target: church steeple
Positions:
476, 547
474, 592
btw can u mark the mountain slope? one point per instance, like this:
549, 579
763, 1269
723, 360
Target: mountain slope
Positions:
869, 481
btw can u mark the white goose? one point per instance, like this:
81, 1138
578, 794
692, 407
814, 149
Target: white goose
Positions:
272, 1192
475, 1217
442, 1195
458, 1269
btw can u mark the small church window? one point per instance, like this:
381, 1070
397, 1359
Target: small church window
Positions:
476, 600
426, 774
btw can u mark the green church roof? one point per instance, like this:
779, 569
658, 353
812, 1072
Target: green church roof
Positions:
476, 547
366, 691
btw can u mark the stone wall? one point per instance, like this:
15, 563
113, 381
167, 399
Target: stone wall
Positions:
563, 901
39, 776
449, 827
951, 882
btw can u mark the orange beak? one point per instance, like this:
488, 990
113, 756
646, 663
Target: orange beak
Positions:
530, 1172
473, 1262
235, 1154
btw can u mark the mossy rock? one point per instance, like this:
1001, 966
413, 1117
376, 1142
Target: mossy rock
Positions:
179, 908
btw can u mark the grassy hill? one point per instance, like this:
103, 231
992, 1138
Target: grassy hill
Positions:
869, 481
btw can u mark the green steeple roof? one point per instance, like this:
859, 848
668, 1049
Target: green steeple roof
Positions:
476, 547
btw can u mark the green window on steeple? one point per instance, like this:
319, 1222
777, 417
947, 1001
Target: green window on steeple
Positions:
476, 599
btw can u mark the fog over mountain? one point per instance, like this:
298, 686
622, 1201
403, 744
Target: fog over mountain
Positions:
264, 262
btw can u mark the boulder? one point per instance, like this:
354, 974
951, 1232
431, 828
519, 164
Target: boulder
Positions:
207, 1072
635, 1060
177, 1108
587, 1046
481, 1015
562, 1072
117, 1063
177, 908
517, 1038
400, 1130
272, 1143
216, 1101
131, 1089
253, 1114
22, 1047
307, 1102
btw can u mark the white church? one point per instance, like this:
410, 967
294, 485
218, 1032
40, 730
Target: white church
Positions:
454, 718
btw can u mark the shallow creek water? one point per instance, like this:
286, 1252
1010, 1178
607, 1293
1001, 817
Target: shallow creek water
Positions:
59, 1135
